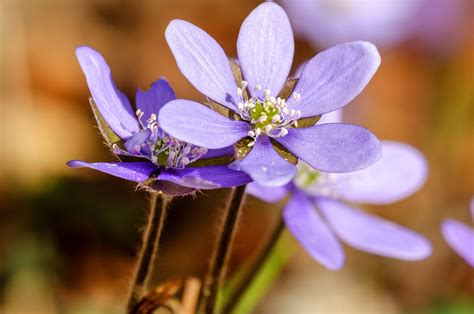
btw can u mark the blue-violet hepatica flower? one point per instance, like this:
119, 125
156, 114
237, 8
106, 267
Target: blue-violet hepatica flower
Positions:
460, 237
270, 126
148, 155
318, 216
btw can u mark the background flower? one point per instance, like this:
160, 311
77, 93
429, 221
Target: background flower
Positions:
460, 237
385, 22
317, 215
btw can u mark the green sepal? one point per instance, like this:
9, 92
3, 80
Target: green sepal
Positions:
242, 148
238, 76
224, 111
286, 92
217, 161
108, 134
288, 88
284, 152
307, 122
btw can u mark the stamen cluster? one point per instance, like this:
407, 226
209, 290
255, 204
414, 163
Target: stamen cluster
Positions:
267, 114
162, 149
317, 183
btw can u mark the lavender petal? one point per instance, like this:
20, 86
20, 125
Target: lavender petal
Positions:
203, 62
460, 238
333, 147
151, 101
196, 124
212, 177
264, 164
112, 104
400, 172
268, 194
133, 171
307, 226
265, 48
373, 234
334, 77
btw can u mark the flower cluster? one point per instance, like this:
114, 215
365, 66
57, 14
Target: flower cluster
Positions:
261, 124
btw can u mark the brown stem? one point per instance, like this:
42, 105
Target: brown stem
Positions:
221, 253
149, 250
255, 268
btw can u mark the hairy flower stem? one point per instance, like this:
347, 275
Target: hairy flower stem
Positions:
221, 253
149, 250
255, 268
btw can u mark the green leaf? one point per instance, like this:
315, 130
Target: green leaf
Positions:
288, 88
226, 112
283, 152
242, 148
217, 161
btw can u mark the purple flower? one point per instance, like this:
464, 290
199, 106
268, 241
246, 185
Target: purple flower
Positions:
318, 216
327, 22
150, 156
271, 125
460, 237
384, 22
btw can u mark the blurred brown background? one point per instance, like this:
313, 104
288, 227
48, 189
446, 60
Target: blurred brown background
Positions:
68, 237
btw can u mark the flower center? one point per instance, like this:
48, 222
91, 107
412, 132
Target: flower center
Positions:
317, 183
267, 114
160, 148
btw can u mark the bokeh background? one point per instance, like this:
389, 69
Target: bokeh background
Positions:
68, 237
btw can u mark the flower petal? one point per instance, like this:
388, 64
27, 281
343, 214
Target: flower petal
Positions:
203, 62
213, 177
152, 100
334, 77
112, 104
135, 144
194, 123
133, 171
264, 164
213, 153
333, 147
373, 234
265, 47
400, 172
331, 117
268, 194
307, 226
460, 238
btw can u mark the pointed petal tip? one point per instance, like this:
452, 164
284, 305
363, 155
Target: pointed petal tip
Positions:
76, 163
372, 234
